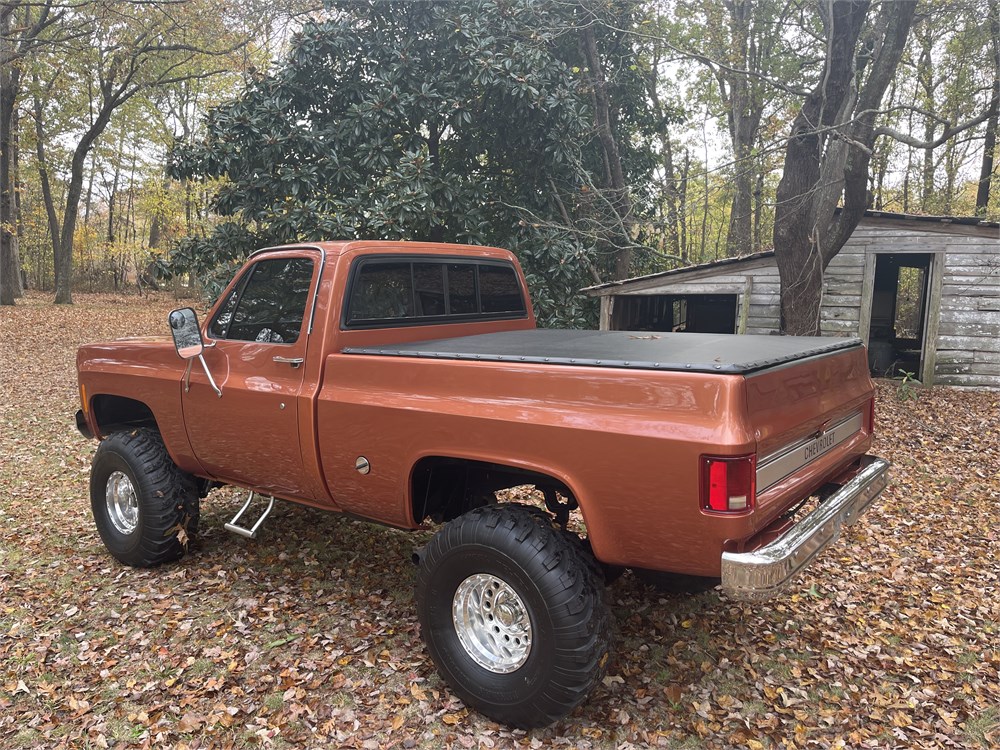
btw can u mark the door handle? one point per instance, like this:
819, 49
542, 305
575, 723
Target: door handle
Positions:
293, 361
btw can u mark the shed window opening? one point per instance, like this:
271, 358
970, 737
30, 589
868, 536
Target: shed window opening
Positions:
677, 313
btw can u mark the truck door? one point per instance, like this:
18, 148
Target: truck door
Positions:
255, 349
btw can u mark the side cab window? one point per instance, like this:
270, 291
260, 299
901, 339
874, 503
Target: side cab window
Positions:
268, 304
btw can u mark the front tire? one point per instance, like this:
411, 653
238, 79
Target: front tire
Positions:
513, 615
145, 508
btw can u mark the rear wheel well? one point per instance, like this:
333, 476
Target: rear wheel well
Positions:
118, 413
445, 488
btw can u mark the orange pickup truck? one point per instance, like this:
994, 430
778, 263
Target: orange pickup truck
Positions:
407, 384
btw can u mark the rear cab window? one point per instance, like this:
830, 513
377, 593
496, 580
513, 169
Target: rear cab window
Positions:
392, 291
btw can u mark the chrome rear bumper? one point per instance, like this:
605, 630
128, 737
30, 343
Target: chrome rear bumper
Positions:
761, 574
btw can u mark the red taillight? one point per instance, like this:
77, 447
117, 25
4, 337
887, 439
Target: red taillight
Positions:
871, 416
728, 483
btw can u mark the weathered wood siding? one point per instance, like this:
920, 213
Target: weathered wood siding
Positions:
842, 286
968, 340
963, 323
764, 310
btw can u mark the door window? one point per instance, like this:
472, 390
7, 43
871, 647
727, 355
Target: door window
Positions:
268, 305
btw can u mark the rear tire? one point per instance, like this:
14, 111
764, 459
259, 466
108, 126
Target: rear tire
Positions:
513, 615
145, 508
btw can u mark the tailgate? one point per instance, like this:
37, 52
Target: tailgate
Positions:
810, 419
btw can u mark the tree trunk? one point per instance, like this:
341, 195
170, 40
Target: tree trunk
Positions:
925, 77
10, 83
989, 151
744, 112
43, 179
155, 225
90, 190
704, 213
881, 157
990, 140
909, 167
74, 191
15, 181
620, 199
820, 168
682, 207
188, 220
796, 240
131, 225
741, 60
64, 252
113, 198
670, 195
758, 209
801, 278
739, 241
951, 166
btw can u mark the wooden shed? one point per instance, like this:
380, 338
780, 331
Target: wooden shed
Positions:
923, 292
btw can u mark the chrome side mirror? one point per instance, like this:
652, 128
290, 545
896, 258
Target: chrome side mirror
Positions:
186, 333
189, 344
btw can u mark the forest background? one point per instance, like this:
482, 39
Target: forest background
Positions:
146, 141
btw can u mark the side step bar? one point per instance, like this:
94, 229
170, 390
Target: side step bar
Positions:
251, 533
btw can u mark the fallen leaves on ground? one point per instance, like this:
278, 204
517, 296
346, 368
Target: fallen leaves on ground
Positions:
306, 637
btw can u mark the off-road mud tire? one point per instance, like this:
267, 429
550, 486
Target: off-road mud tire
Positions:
562, 593
167, 499
608, 573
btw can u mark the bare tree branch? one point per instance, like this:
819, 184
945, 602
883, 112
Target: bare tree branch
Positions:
947, 134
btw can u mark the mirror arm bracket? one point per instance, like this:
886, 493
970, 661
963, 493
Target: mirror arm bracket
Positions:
211, 380
189, 343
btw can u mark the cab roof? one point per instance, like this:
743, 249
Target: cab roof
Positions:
342, 247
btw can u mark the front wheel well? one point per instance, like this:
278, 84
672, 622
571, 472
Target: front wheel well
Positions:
444, 488
119, 413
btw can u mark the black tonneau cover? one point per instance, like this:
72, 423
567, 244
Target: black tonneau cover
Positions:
691, 352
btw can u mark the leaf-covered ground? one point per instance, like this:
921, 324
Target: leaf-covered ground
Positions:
307, 636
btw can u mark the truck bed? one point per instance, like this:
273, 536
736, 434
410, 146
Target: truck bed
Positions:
639, 350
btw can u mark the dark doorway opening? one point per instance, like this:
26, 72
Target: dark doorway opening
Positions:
692, 313
899, 314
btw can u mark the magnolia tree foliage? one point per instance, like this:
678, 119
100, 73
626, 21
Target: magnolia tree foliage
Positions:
465, 121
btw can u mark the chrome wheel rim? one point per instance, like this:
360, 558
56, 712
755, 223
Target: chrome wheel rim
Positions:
492, 623
123, 505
